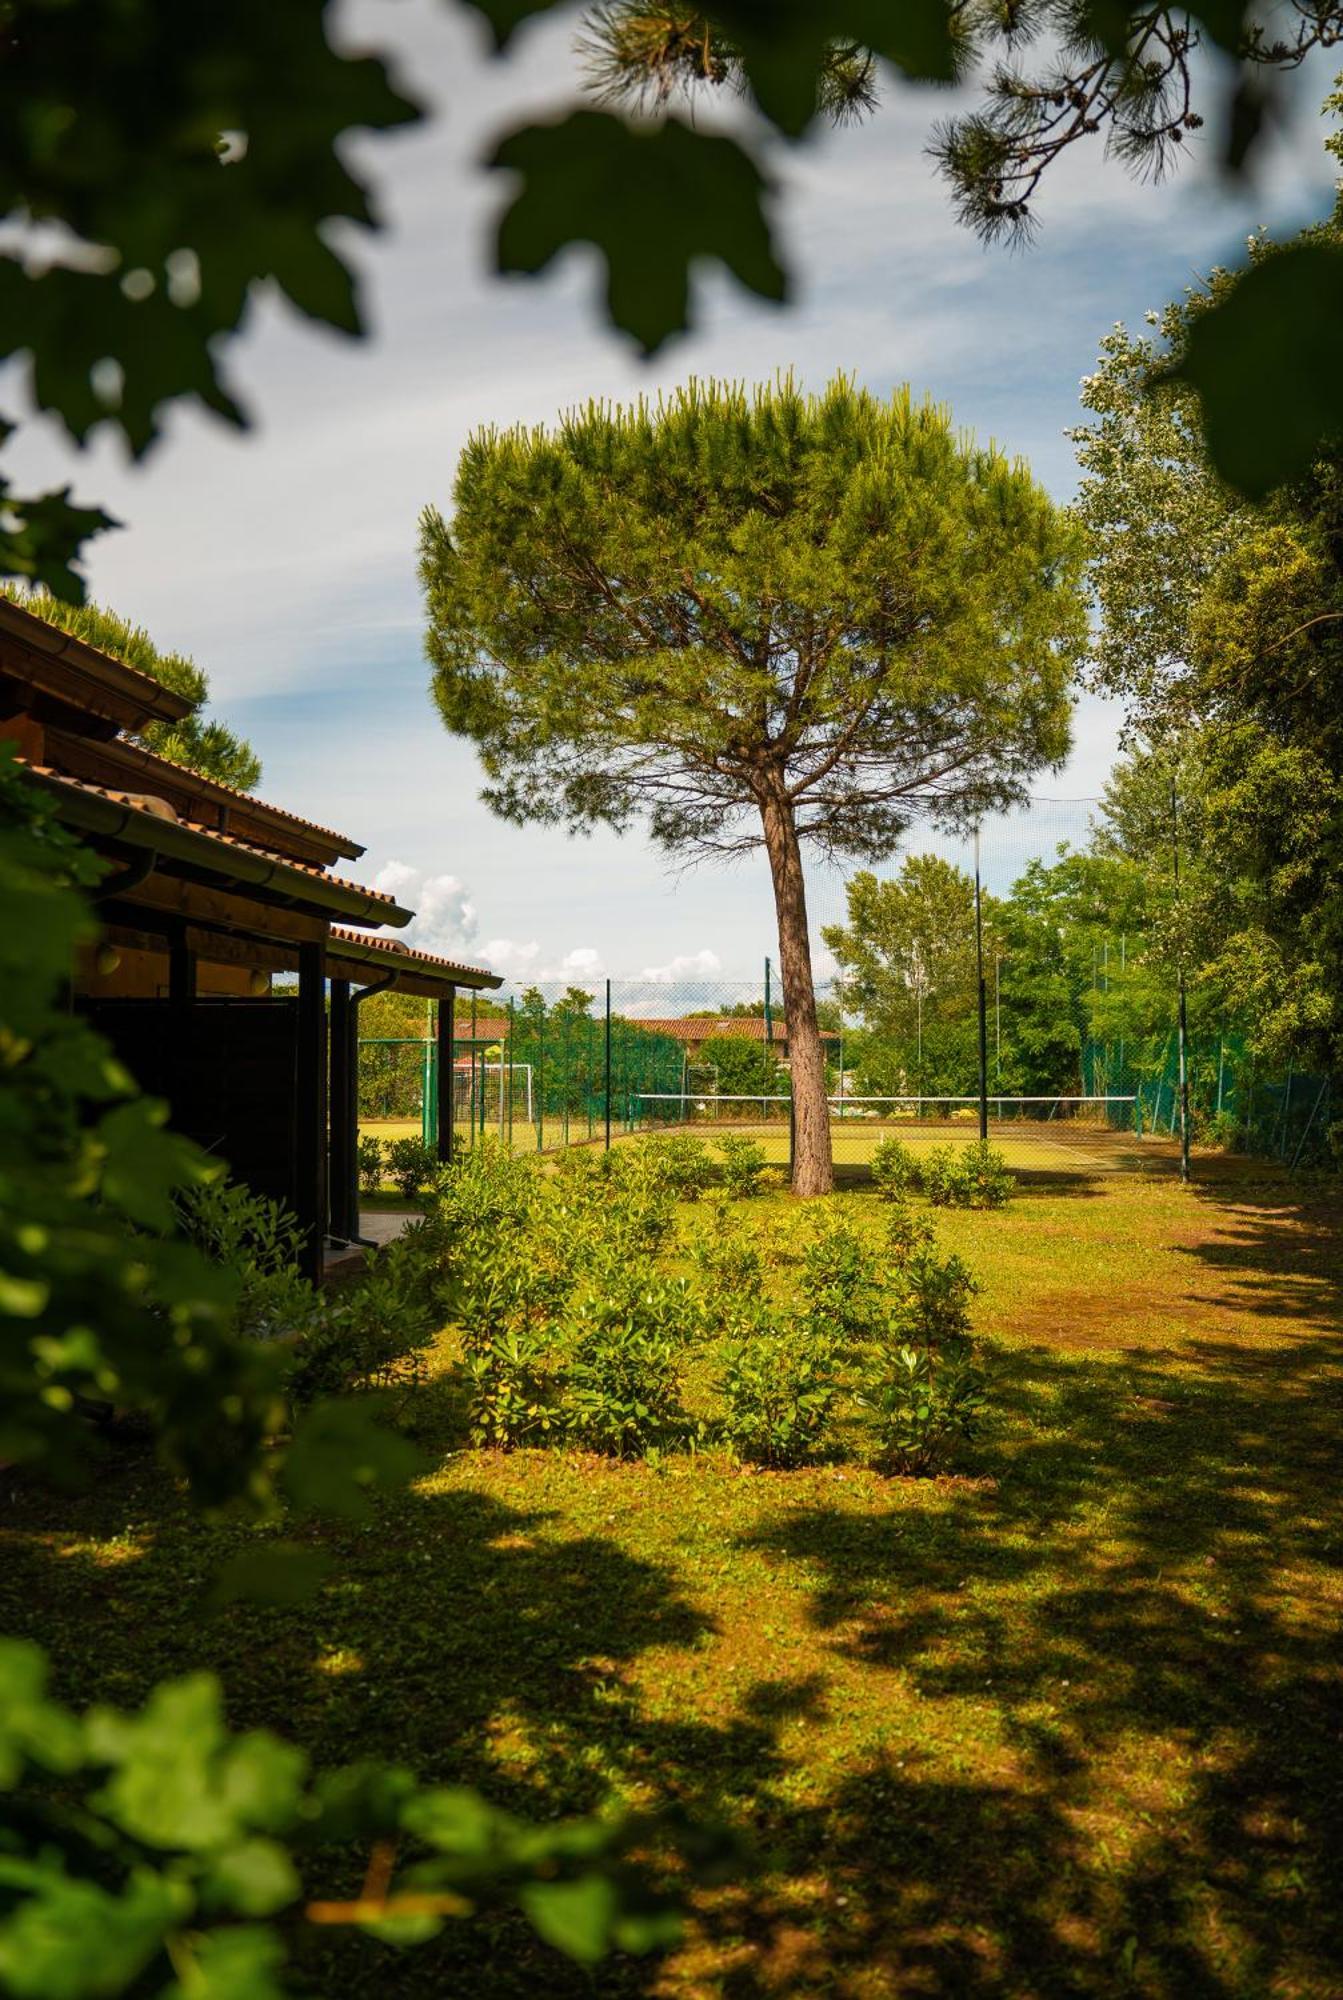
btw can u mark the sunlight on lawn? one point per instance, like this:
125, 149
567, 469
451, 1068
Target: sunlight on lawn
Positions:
1064, 1723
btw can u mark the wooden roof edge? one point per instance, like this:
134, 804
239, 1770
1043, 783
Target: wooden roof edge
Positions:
93, 810
156, 702
184, 778
392, 955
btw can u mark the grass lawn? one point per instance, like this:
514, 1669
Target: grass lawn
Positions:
1066, 1724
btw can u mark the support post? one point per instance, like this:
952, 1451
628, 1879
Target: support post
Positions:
983, 1005
344, 1189
606, 1067
769, 1011
181, 1003
310, 1106
443, 1080
1183, 1002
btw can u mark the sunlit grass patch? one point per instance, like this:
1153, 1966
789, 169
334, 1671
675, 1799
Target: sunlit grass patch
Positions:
1064, 1722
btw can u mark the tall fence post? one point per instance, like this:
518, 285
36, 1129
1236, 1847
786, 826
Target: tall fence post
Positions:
983, 1006
1183, 1001
511, 1047
443, 1075
606, 1069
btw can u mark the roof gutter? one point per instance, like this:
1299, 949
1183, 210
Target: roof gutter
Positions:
151, 696
375, 953
172, 841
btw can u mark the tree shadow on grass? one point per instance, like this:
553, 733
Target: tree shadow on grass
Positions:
1278, 1249
1141, 1622
1105, 1673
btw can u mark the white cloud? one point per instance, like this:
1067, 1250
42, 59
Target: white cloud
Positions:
704, 964
509, 957
395, 876
446, 920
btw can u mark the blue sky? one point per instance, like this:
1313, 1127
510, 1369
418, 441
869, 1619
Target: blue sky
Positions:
285, 560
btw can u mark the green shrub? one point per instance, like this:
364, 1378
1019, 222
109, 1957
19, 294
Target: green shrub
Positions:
412, 1166
370, 1163
514, 1389
922, 1386
906, 1232
894, 1169
975, 1177
744, 1164
684, 1164
939, 1176
986, 1179
839, 1283
728, 1262
922, 1401
778, 1388
934, 1299
260, 1242
623, 1376
374, 1331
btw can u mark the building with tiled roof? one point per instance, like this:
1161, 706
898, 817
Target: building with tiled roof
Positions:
208, 894
694, 1030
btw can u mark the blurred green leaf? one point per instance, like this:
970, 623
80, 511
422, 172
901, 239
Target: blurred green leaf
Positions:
576, 1917
32, 1727
144, 1163
255, 1878
179, 1780
340, 1453
70, 1939
242, 1963
505, 17
651, 198
784, 43
1267, 362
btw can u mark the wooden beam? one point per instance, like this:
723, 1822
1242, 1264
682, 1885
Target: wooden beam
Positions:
223, 910
310, 1107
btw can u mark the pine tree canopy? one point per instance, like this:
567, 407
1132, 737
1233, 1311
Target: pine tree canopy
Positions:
755, 618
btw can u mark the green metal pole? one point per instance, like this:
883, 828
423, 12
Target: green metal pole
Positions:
607, 1067
510, 1074
983, 1006
1183, 1004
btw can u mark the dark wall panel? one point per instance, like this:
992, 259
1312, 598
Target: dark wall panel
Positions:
230, 1082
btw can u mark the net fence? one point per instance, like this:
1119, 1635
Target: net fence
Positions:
550, 1067
1049, 998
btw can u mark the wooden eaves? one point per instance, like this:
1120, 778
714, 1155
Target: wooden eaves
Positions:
194, 853
55, 663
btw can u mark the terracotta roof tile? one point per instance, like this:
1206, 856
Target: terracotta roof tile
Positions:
170, 766
145, 803
396, 950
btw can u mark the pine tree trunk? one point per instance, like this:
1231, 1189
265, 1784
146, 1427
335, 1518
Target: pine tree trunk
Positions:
813, 1166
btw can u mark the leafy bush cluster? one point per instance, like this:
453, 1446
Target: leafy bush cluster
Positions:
580, 1324
688, 1168
373, 1331
974, 1176
412, 1166
370, 1163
